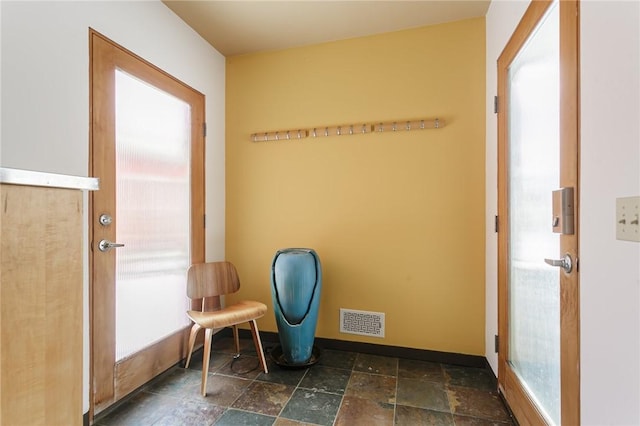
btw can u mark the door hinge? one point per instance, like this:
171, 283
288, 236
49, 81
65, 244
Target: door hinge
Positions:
204, 220
496, 224
495, 104
496, 343
204, 129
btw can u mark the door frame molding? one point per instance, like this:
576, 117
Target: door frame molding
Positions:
110, 381
522, 406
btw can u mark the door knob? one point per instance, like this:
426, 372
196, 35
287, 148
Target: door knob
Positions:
106, 245
565, 263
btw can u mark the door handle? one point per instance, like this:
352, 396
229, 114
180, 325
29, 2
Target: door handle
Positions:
565, 263
106, 245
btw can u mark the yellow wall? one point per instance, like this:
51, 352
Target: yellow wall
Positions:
396, 218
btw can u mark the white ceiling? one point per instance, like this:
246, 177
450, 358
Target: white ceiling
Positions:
240, 27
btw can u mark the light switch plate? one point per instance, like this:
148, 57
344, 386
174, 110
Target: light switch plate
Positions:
628, 218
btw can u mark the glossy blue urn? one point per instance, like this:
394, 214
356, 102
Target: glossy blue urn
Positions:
296, 281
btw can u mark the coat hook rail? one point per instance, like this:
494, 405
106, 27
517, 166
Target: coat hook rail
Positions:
279, 135
348, 129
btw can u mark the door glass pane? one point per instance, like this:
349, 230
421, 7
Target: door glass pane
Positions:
534, 305
152, 213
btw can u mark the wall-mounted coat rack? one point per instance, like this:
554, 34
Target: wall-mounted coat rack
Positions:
348, 129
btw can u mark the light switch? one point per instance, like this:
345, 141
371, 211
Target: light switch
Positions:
628, 219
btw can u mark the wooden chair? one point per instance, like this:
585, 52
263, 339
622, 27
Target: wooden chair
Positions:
217, 279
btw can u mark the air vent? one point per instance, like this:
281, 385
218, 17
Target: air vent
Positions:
362, 322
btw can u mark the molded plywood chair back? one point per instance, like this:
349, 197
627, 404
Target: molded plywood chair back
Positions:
217, 279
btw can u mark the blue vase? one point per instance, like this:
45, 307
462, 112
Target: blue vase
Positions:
296, 281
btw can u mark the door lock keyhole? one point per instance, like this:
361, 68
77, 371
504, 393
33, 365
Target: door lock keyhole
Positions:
105, 219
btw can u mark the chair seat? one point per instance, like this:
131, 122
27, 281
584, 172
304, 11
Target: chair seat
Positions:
240, 312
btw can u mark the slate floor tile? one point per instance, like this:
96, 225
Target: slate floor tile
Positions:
360, 411
312, 407
222, 390
421, 370
176, 382
217, 360
475, 421
477, 378
372, 387
284, 376
247, 367
281, 421
190, 412
264, 398
233, 417
412, 416
326, 379
376, 364
143, 408
422, 394
337, 359
477, 403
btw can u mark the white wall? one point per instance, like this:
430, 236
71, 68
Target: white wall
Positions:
610, 168
45, 90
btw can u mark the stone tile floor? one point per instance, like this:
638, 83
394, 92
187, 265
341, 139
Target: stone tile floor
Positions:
343, 388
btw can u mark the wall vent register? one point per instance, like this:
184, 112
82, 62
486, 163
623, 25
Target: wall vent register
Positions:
364, 323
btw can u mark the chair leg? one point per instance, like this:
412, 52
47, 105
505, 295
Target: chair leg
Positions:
205, 359
192, 342
236, 337
256, 340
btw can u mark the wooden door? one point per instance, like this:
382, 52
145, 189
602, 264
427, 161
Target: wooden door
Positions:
538, 154
147, 222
